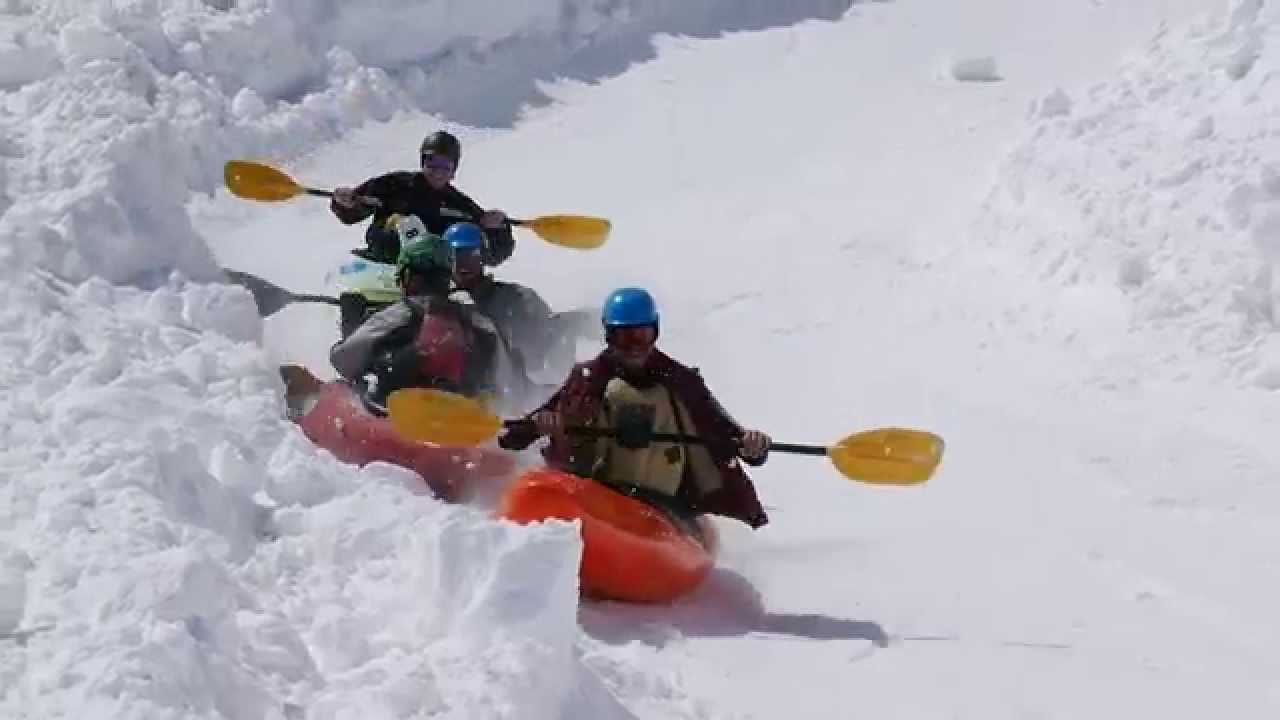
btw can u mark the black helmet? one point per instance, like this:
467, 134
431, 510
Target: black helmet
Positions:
441, 143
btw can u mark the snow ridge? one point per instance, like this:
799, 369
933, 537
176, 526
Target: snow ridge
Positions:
1151, 200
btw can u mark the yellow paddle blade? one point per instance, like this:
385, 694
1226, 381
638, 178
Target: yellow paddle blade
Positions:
573, 231
888, 456
442, 418
256, 181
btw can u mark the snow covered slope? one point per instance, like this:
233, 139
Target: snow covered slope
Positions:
848, 223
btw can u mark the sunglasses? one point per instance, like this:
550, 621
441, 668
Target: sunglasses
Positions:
438, 162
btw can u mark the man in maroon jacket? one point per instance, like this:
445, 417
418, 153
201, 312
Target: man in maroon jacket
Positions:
632, 385
430, 195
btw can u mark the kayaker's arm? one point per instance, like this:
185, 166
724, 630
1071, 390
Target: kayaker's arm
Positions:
351, 357
758, 452
520, 434
373, 188
501, 245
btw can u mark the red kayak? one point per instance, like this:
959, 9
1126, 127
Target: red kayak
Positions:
631, 551
334, 417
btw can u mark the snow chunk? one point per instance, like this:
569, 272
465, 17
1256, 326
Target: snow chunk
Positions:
1055, 104
1243, 59
1202, 129
298, 476
25, 57
14, 565
975, 69
1266, 232
248, 105
86, 39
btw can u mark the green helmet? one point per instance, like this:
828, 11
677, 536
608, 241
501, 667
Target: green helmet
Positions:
421, 251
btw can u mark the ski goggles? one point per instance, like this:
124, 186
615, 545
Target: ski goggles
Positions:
471, 259
441, 163
633, 337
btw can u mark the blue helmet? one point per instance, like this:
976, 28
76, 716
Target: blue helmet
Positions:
464, 237
629, 307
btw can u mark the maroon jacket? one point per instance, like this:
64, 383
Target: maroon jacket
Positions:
579, 399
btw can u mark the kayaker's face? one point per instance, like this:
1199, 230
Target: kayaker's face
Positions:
468, 268
438, 170
412, 283
632, 346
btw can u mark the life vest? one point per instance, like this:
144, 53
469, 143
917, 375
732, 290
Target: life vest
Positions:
660, 466
442, 347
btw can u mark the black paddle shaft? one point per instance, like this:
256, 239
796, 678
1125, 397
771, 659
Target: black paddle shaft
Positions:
592, 432
366, 199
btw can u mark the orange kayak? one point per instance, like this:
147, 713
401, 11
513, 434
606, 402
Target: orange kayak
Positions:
631, 551
334, 417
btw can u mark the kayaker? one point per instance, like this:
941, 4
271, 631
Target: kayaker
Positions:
521, 315
430, 195
634, 387
425, 339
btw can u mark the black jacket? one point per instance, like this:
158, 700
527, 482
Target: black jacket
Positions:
408, 193
523, 318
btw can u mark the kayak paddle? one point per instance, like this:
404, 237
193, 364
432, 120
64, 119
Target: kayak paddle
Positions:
884, 456
256, 181
271, 298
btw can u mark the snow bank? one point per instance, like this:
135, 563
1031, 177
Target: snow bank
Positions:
157, 562
1152, 200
